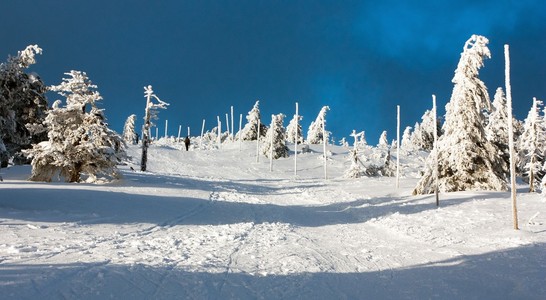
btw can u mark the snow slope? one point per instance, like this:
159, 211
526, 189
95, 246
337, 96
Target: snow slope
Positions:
216, 224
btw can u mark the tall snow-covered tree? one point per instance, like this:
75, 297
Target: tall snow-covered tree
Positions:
23, 103
292, 130
316, 129
253, 118
406, 143
356, 170
383, 142
79, 141
129, 134
4, 155
277, 132
150, 114
497, 126
466, 159
531, 145
423, 133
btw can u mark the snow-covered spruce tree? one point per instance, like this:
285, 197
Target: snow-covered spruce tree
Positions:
423, 134
150, 114
4, 155
292, 130
406, 143
129, 134
356, 169
531, 145
466, 159
497, 127
250, 131
79, 141
279, 138
23, 103
315, 132
383, 142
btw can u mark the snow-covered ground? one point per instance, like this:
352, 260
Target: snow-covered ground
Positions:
216, 224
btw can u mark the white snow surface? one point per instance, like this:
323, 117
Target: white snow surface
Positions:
216, 224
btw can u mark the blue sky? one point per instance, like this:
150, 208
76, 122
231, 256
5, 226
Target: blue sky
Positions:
362, 58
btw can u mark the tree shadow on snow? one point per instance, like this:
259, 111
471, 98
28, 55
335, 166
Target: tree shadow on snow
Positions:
516, 273
103, 207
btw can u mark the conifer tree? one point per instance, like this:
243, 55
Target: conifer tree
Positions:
315, 131
129, 134
250, 131
150, 114
277, 132
79, 141
407, 144
23, 103
292, 130
466, 159
4, 155
497, 127
383, 142
532, 143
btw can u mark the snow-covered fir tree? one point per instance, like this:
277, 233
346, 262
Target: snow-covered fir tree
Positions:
79, 141
129, 133
532, 145
423, 134
150, 114
356, 169
316, 129
497, 127
292, 130
383, 142
359, 139
23, 103
406, 143
466, 159
253, 118
277, 132
343, 142
4, 155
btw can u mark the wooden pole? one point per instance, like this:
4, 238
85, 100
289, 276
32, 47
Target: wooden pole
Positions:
271, 145
179, 131
240, 131
232, 129
219, 138
296, 143
202, 133
397, 146
258, 143
324, 141
166, 125
227, 126
435, 150
511, 136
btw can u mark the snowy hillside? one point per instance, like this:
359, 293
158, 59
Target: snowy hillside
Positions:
216, 224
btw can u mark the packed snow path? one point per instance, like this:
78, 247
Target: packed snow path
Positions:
200, 225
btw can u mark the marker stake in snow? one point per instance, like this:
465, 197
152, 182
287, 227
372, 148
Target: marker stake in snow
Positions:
232, 130
240, 133
324, 141
397, 146
258, 143
227, 126
202, 132
271, 146
179, 131
166, 125
510, 135
296, 144
435, 149
219, 138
